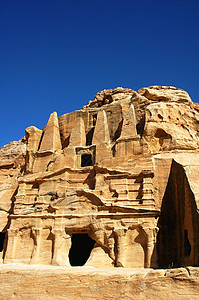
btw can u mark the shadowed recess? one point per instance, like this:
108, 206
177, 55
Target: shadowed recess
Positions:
2, 238
80, 250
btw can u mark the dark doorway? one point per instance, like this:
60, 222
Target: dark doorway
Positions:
86, 160
2, 238
80, 250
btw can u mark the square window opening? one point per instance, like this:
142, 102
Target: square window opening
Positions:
86, 160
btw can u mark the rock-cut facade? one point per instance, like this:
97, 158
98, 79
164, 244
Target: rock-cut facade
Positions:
114, 184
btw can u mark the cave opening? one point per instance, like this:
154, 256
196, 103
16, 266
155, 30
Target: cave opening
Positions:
81, 248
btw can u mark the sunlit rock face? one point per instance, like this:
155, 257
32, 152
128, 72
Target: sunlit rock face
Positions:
114, 184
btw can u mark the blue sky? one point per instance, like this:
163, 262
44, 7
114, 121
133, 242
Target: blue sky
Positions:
55, 55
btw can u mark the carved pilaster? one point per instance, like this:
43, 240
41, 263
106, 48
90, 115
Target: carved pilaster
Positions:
151, 234
13, 237
62, 245
36, 232
120, 234
111, 246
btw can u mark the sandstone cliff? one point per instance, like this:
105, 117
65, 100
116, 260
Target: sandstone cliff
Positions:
121, 172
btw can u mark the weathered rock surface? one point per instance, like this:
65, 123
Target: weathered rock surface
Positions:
12, 161
165, 93
45, 282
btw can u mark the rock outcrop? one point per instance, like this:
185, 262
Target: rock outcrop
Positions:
12, 162
49, 283
114, 184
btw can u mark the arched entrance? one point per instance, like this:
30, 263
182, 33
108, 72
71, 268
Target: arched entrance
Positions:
81, 248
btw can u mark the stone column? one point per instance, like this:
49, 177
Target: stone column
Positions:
111, 244
120, 234
13, 237
62, 244
151, 234
37, 245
